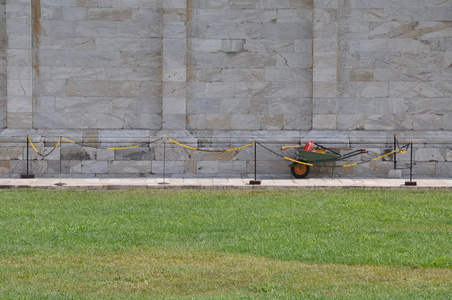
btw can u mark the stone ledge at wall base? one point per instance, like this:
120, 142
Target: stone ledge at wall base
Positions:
395, 174
432, 153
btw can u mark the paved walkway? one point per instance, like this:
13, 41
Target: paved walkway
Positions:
221, 183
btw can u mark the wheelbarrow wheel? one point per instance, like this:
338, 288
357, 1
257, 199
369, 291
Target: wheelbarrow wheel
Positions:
300, 171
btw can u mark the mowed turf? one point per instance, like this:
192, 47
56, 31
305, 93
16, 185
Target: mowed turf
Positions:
266, 244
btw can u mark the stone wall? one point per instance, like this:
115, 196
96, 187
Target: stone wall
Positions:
249, 65
221, 74
97, 64
382, 65
3, 67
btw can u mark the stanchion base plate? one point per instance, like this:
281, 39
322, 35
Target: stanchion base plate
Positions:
411, 183
27, 176
255, 182
60, 184
163, 183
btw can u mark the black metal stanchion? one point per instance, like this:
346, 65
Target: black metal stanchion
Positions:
255, 181
395, 153
395, 173
28, 175
61, 150
411, 182
164, 163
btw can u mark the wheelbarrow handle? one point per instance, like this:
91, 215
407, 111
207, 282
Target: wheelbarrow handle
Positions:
324, 148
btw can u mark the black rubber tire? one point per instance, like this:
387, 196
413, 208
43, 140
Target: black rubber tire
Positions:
299, 170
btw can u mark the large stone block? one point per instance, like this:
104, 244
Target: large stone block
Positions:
78, 153
140, 154
253, 61
153, 45
18, 167
18, 120
83, 88
218, 122
416, 90
94, 167
204, 106
350, 122
429, 155
240, 75
245, 121
379, 122
4, 166
97, 28
448, 155
324, 89
169, 167
235, 105
125, 167
324, 122
208, 167
174, 121
109, 14
20, 104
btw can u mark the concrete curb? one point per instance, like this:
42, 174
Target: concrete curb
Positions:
220, 183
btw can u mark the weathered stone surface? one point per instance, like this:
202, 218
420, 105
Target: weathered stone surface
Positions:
444, 169
18, 167
429, 155
39, 167
4, 167
218, 122
208, 167
243, 69
109, 14
448, 155
94, 167
325, 122
125, 167
19, 120
139, 154
78, 153
169, 167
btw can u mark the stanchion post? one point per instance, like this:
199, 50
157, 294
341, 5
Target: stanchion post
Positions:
164, 163
255, 181
395, 173
28, 175
28, 155
61, 150
411, 182
395, 153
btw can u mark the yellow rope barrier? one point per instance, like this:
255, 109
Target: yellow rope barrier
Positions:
298, 162
185, 146
32, 145
380, 157
59, 141
124, 148
238, 148
233, 149
44, 155
118, 148
192, 148
68, 140
387, 154
350, 165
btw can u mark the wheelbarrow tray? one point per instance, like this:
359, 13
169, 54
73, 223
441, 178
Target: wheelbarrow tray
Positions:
321, 156
324, 157
318, 157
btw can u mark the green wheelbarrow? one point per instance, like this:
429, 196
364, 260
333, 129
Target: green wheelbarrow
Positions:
316, 156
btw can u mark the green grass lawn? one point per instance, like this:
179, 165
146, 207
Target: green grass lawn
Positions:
166, 244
